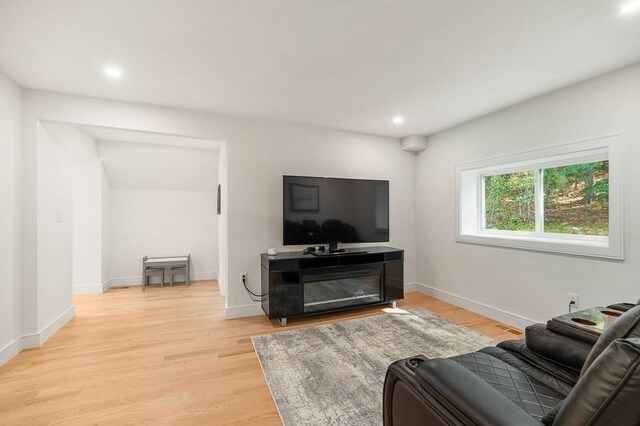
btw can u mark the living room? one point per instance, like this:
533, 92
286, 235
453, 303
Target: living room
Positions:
424, 96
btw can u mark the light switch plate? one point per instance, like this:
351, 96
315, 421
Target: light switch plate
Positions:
59, 216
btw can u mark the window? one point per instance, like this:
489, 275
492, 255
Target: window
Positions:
565, 199
576, 199
509, 201
572, 199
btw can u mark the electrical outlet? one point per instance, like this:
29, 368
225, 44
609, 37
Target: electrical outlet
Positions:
574, 298
243, 277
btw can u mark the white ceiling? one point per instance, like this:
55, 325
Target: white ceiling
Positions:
134, 165
350, 64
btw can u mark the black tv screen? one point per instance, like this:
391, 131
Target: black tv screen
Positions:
320, 210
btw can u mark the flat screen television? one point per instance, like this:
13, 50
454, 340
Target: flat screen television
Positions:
319, 210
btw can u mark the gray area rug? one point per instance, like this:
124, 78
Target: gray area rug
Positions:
333, 374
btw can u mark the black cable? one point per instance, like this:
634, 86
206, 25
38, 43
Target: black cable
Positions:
251, 293
573, 302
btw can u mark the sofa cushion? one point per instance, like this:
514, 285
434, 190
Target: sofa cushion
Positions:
566, 377
536, 371
531, 395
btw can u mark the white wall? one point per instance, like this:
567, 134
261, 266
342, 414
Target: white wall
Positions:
104, 229
223, 221
529, 285
162, 223
10, 169
259, 152
54, 233
74, 142
134, 165
88, 258
87, 226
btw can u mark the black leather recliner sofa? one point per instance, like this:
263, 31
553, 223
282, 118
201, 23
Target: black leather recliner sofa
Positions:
548, 378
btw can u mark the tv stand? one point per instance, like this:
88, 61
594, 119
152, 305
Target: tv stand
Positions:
338, 252
298, 285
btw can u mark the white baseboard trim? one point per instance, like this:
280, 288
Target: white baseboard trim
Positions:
497, 314
243, 311
30, 341
35, 340
202, 276
120, 281
137, 279
55, 325
87, 289
410, 287
92, 288
10, 350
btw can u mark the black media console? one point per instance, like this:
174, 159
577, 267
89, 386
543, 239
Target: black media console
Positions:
297, 284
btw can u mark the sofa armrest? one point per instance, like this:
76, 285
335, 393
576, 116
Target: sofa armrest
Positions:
571, 332
622, 306
561, 349
469, 398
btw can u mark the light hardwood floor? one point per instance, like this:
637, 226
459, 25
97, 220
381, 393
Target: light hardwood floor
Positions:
165, 356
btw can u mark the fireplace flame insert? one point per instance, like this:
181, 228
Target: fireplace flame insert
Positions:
335, 290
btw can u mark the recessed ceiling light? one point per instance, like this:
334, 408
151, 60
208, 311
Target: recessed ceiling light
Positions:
112, 72
398, 120
630, 7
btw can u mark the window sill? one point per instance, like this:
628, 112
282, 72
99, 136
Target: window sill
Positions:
574, 245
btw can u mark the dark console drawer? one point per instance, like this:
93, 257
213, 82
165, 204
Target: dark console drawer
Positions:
282, 265
396, 255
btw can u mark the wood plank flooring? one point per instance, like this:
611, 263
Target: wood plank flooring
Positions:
165, 356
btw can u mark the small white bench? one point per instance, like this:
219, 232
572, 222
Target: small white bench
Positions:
169, 266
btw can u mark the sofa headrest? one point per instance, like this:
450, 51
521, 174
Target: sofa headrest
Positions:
626, 326
609, 391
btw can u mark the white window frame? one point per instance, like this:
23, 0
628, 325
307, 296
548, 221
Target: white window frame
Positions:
470, 193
